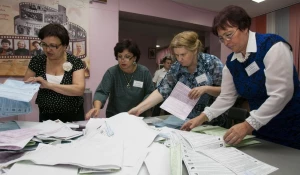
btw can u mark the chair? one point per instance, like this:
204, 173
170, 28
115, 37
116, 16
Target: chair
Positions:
237, 115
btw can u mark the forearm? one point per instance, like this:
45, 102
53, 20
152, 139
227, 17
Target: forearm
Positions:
154, 98
69, 90
97, 104
213, 90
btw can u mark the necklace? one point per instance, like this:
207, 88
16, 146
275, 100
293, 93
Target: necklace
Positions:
128, 82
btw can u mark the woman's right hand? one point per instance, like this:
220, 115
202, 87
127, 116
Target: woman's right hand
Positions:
189, 125
135, 111
94, 112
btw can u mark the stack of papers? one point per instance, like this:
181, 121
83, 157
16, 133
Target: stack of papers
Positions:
55, 130
220, 131
15, 97
86, 153
16, 139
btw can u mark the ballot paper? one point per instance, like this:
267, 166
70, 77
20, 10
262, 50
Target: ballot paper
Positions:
10, 107
239, 162
220, 131
200, 142
88, 153
18, 90
178, 103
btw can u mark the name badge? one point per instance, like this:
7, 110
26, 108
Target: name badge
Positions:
138, 84
252, 68
201, 78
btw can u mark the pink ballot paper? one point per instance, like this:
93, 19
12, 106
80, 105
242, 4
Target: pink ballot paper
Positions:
178, 103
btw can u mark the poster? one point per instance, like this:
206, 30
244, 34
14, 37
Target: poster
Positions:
21, 21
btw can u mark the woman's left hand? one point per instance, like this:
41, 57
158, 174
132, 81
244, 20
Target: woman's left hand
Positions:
197, 92
237, 133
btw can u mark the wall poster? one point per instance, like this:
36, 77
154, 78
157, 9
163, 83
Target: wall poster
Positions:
21, 21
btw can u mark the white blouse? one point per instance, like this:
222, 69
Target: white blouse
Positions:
279, 84
54, 79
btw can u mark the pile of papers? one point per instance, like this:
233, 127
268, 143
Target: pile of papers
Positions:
220, 131
15, 97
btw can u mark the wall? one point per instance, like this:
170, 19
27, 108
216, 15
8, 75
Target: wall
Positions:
144, 42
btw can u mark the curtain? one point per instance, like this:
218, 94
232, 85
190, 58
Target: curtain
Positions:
294, 33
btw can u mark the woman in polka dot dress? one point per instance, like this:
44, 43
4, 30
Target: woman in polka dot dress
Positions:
61, 76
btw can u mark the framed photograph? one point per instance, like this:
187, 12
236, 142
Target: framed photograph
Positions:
151, 53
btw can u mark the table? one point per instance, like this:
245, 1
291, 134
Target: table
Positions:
285, 158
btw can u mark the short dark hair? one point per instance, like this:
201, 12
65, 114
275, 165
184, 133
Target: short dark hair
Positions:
165, 59
34, 42
130, 45
57, 30
231, 16
5, 41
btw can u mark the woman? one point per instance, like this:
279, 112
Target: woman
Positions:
126, 84
261, 70
199, 71
61, 76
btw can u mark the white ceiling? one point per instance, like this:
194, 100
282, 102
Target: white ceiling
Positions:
253, 9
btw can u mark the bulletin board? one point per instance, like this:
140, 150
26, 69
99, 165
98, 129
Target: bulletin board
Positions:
20, 24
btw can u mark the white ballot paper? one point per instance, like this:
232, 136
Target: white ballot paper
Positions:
18, 90
178, 103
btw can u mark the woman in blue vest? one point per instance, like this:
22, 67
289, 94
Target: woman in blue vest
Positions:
261, 70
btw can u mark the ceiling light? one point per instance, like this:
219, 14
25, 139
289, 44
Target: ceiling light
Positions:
157, 45
258, 1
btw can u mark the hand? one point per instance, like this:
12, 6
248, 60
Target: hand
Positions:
189, 125
237, 133
197, 92
94, 112
135, 111
44, 83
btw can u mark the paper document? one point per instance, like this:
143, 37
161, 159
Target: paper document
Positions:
171, 122
239, 162
10, 125
10, 107
32, 169
86, 153
178, 103
18, 90
220, 131
201, 142
197, 163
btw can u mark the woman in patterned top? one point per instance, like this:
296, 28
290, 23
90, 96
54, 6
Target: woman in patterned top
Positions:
199, 71
261, 70
61, 76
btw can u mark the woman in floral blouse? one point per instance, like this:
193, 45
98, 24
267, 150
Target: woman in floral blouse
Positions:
199, 71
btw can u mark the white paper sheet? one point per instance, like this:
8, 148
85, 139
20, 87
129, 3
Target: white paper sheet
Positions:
178, 103
239, 162
158, 159
18, 90
32, 169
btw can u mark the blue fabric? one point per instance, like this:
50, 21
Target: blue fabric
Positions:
206, 64
285, 127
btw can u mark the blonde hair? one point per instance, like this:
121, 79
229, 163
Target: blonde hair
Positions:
187, 39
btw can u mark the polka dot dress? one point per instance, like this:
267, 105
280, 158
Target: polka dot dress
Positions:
50, 101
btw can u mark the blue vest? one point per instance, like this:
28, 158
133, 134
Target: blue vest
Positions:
285, 127
253, 87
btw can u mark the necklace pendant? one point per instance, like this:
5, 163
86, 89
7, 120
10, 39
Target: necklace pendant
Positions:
128, 86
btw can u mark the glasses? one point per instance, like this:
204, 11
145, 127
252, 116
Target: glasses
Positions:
51, 46
126, 57
227, 37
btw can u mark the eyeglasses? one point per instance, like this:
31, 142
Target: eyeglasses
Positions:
227, 36
126, 57
51, 46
